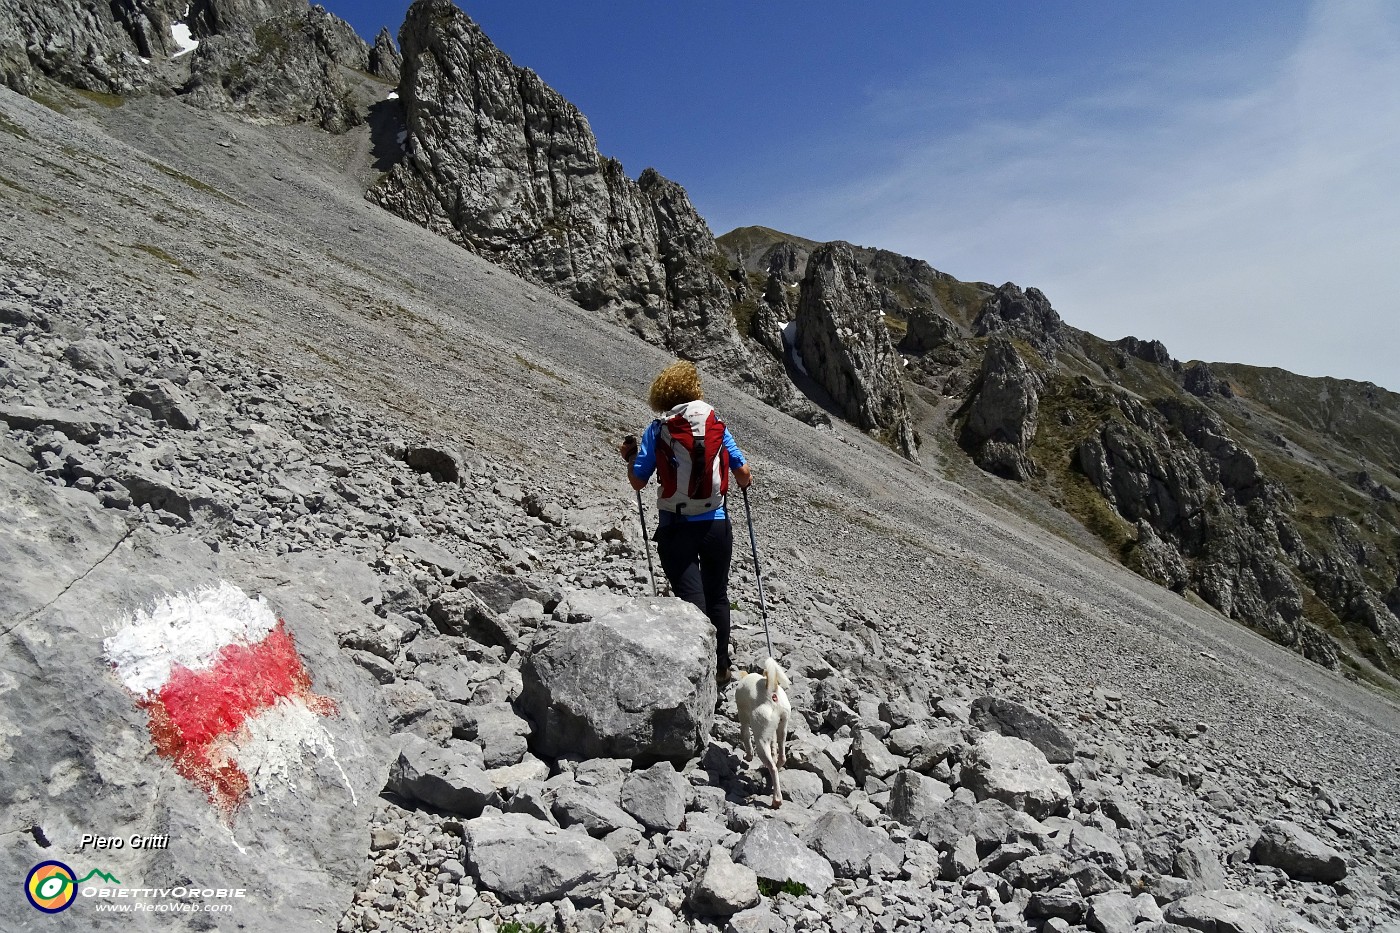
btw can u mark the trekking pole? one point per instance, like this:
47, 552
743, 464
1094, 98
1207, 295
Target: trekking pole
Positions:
758, 574
631, 441
646, 542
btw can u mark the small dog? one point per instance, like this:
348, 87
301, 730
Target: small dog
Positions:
763, 715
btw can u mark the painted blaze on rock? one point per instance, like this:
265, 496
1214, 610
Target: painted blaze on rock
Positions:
228, 699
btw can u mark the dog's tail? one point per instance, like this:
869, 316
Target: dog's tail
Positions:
774, 675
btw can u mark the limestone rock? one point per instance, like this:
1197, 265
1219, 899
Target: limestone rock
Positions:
440, 778
1007, 717
847, 844
384, 58
284, 69
1026, 315
1286, 845
1015, 772
636, 682
846, 349
656, 797
916, 799
1236, 911
723, 888
521, 858
774, 852
1001, 418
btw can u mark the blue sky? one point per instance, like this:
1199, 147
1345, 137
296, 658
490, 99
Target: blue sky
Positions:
1222, 177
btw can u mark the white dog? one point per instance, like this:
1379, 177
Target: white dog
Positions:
763, 715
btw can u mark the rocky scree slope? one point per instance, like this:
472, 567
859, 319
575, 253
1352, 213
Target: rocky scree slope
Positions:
255, 370
1274, 503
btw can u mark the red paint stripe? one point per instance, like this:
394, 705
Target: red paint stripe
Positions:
197, 714
242, 680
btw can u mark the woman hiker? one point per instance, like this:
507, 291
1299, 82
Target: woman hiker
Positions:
692, 453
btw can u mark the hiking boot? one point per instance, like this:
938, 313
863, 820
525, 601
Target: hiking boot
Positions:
722, 679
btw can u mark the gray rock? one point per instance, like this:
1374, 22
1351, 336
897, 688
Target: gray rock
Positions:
1007, 717
72, 575
637, 682
1286, 845
441, 778
759, 919
1064, 903
461, 612
1113, 802
1016, 773
384, 58
1197, 862
166, 402
1013, 313
870, 758
656, 797
915, 800
1087, 844
774, 852
521, 858
442, 464
91, 355
1234, 912
723, 888
82, 426
588, 809
846, 348
847, 844
1001, 421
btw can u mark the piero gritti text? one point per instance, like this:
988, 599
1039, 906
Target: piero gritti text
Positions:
134, 841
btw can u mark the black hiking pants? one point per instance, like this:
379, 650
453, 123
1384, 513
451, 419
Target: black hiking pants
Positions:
695, 557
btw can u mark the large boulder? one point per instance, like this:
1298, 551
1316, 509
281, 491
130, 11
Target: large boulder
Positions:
1286, 845
656, 797
522, 858
1234, 912
440, 777
1015, 772
847, 844
103, 698
994, 714
775, 853
633, 682
723, 888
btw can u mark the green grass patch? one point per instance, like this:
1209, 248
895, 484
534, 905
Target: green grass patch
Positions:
194, 183
165, 257
770, 888
542, 370
14, 129
110, 101
515, 926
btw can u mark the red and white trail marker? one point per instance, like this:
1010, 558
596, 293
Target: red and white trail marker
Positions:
228, 699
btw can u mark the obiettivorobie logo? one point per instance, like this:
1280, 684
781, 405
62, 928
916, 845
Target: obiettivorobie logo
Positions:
52, 886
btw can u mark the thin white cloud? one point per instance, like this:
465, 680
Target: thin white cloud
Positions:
1255, 218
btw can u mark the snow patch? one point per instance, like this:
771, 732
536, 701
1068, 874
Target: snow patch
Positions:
393, 95
180, 32
187, 629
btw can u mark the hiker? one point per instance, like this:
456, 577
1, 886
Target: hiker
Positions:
692, 452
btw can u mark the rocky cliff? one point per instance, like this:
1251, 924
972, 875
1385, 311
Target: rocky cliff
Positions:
846, 348
502, 164
279, 61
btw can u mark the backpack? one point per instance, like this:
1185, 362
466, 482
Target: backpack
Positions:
692, 463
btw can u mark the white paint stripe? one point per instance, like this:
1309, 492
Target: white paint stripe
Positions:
273, 745
186, 629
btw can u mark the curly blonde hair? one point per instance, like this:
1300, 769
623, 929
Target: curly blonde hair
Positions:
677, 384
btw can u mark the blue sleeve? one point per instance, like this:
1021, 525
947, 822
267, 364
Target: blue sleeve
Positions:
736, 456
645, 462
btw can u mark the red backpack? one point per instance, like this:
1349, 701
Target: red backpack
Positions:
692, 463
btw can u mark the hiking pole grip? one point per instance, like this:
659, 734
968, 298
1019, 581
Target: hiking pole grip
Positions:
646, 541
757, 573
